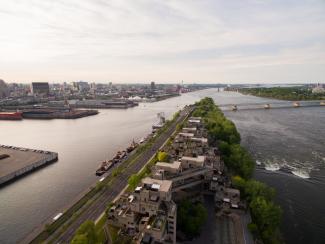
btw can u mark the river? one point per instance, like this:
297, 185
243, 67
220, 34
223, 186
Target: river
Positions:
282, 140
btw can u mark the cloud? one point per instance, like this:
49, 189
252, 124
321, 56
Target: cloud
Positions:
166, 40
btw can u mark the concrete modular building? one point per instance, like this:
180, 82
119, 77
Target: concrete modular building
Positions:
148, 214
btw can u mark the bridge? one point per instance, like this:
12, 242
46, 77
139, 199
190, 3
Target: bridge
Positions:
271, 105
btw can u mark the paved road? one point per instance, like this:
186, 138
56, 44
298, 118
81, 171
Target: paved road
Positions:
99, 205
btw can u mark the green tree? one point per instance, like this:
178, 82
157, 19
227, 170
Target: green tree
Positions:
134, 180
80, 239
86, 233
190, 217
267, 217
162, 156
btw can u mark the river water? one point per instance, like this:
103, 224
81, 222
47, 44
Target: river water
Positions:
288, 143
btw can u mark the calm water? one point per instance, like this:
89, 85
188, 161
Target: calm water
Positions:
289, 143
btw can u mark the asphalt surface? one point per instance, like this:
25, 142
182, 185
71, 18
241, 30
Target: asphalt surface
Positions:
100, 204
18, 159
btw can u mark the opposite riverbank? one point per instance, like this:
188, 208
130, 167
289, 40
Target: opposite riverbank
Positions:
298, 93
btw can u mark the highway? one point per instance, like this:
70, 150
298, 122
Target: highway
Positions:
112, 191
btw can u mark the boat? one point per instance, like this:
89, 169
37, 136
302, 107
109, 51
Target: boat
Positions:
11, 116
123, 154
104, 166
38, 114
296, 104
267, 106
161, 122
132, 147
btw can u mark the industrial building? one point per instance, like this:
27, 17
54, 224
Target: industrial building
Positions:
40, 88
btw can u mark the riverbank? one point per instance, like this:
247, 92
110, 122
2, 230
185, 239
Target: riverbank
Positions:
95, 201
266, 215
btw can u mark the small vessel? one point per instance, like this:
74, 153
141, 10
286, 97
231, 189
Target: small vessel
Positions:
234, 108
267, 106
296, 104
161, 122
132, 147
104, 166
123, 154
11, 116
142, 140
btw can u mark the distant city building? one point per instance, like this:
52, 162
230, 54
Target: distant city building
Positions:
153, 85
40, 88
4, 91
319, 88
82, 86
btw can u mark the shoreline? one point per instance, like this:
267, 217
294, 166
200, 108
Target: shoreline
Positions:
31, 237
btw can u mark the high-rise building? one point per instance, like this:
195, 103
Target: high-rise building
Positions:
82, 86
153, 85
40, 88
4, 91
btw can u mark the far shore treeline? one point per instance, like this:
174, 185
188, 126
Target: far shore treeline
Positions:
266, 215
296, 93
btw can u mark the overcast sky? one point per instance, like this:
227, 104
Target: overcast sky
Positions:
162, 40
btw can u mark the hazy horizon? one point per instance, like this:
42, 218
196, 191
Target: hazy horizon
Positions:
125, 41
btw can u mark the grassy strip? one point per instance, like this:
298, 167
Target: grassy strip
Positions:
99, 227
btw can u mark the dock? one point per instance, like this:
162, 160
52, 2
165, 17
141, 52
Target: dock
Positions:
16, 162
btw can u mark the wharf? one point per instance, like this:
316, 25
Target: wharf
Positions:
17, 162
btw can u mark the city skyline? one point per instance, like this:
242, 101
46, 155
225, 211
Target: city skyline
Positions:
163, 41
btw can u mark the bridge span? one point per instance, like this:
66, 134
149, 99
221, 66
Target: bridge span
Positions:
271, 105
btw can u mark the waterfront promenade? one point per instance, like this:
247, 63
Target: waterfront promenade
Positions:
98, 206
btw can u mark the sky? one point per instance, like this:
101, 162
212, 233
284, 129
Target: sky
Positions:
208, 41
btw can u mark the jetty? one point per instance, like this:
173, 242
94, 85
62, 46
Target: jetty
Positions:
17, 161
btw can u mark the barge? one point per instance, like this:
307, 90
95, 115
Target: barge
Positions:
11, 116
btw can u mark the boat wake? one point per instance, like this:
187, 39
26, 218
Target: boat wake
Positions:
285, 167
258, 162
301, 173
272, 167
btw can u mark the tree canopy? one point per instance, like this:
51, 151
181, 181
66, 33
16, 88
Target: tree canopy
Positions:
222, 132
162, 156
86, 234
190, 217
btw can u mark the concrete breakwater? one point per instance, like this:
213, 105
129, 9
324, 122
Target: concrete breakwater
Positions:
20, 161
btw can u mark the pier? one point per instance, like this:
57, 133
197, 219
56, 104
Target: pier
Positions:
17, 161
